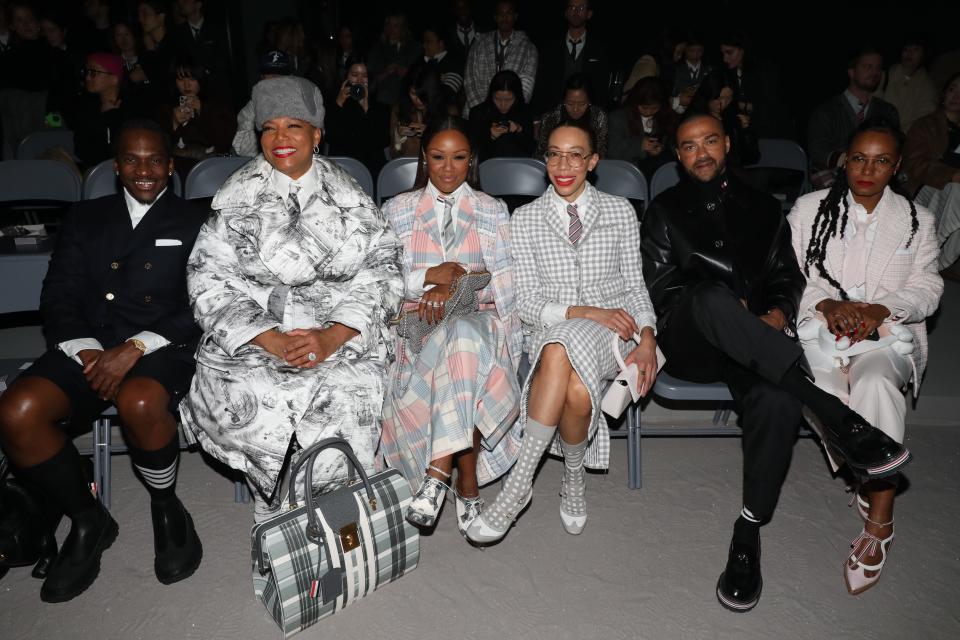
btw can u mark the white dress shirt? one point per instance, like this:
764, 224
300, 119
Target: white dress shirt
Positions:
582, 41
415, 279
554, 312
151, 340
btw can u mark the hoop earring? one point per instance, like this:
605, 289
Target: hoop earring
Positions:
316, 149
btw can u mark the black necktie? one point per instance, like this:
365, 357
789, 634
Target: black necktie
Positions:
196, 32
573, 48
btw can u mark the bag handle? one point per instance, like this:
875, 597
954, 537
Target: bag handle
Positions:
616, 349
308, 457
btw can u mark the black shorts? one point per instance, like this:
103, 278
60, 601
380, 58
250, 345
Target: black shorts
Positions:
171, 366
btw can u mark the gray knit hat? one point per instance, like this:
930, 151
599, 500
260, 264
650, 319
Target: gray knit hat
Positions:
288, 97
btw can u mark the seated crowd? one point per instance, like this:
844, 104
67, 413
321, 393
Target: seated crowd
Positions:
281, 334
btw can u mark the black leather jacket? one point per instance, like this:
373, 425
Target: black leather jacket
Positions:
725, 232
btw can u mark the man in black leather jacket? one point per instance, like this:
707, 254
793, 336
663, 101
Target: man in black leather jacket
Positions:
725, 283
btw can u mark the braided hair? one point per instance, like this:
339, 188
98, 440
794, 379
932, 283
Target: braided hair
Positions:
829, 219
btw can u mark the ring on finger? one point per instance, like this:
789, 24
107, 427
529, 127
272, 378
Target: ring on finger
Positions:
312, 357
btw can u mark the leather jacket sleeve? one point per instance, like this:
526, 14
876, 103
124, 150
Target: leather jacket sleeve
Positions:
784, 282
664, 280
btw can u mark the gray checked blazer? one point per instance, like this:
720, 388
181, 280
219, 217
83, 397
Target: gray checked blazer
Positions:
603, 270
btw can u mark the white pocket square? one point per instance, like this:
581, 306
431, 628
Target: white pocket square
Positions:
168, 242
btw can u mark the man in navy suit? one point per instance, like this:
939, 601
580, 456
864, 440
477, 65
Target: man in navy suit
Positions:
120, 331
578, 52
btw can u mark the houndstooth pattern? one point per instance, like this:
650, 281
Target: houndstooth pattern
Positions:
602, 270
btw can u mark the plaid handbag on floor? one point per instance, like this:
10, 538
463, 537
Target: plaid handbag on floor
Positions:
313, 560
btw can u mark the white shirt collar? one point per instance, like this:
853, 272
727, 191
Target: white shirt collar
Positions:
308, 184
582, 202
435, 193
440, 56
137, 209
695, 68
583, 40
196, 26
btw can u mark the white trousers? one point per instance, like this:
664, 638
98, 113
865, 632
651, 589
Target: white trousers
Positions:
873, 387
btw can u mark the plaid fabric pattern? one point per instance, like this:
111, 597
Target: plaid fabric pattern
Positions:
389, 548
520, 56
602, 270
464, 376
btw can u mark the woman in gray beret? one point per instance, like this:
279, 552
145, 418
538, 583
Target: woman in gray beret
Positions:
292, 280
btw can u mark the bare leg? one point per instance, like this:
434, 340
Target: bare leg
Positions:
29, 412
880, 495
467, 486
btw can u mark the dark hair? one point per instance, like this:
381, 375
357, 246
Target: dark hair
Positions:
144, 124
577, 82
191, 68
437, 31
424, 80
355, 58
946, 85
56, 18
582, 125
649, 90
866, 50
694, 39
439, 125
692, 114
506, 80
829, 217
158, 6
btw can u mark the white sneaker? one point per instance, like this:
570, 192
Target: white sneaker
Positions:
426, 503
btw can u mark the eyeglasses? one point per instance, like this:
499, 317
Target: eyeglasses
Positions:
882, 163
575, 159
93, 72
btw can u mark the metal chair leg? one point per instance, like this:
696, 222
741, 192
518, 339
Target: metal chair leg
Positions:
634, 451
241, 494
106, 462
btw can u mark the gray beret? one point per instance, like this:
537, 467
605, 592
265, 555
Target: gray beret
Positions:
288, 97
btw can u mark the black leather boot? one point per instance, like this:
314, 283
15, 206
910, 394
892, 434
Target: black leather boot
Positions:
78, 563
175, 541
868, 450
740, 584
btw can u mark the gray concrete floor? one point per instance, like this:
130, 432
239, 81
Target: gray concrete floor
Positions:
645, 567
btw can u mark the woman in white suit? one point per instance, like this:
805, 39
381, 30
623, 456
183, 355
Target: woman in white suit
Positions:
870, 256
579, 281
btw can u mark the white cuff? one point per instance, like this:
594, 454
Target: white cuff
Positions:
553, 313
153, 341
415, 284
71, 348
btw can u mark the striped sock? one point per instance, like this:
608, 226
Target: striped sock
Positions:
746, 530
158, 469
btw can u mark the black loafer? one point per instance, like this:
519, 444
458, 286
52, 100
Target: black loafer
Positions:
740, 584
175, 541
78, 563
866, 449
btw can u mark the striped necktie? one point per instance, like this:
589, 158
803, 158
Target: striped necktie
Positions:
576, 226
293, 203
862, 113
447, 231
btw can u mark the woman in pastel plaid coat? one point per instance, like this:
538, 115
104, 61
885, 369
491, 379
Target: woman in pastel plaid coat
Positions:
454, 403
579, 286
870, 256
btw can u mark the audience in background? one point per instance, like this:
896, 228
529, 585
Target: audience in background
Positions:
642, 130
94, 31
345, 49
576, 106
206, 42
504, 48
199, 124
449, 64
689, 73
98, 119
421, 102
65, 65
25, 77
932, 153
907, 85
390, 59
833, 122
715, 97
574, 53
158, 48
754, 85
502, 126
464, 32
357, 126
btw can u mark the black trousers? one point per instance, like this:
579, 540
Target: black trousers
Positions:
711, 337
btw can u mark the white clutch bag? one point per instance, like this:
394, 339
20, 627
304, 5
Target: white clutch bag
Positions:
624, 389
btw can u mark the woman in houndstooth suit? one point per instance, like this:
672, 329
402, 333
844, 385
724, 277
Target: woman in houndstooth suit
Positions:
870, 256
579, 284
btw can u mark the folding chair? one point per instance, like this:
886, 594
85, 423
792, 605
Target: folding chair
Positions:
665, 177
396, 177
513, 177
358, 170
100, 180
47, 180
36, 143
208, 175
624, 179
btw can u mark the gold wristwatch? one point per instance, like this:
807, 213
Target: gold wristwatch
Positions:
139, 345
